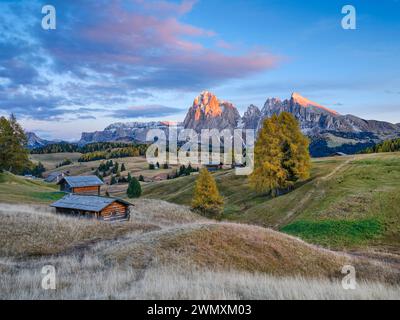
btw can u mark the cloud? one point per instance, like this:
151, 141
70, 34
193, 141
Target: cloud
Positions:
147, 111
110, 53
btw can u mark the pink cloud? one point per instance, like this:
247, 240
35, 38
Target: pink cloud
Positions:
144, 39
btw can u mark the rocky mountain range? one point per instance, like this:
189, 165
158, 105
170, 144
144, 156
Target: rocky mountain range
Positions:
35, 142
124, 132
329, 131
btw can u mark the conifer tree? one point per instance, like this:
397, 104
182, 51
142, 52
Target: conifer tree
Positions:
134, 189
14, 155
206, 198
281, 155
123, 167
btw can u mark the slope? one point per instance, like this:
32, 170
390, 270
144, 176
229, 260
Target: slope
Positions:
349, 202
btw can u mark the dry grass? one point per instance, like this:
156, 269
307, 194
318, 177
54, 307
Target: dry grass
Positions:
97, 282
35, 231
167, 252
162, 213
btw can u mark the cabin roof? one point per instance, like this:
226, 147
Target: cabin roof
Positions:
82, 181
52, 176
86, 203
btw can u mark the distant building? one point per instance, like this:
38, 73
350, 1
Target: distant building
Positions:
85, 185
338, 154
102, 208
55, 177
213, 167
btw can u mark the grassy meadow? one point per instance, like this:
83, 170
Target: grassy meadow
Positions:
167, 252
348, 201
289, 247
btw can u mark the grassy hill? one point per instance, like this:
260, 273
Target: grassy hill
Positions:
167, 252
16, 189
349, 202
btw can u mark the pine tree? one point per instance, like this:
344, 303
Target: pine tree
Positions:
14, 156
281, 155
116, 167
206, 198
129, 177
113, 180
134, 189
123, 167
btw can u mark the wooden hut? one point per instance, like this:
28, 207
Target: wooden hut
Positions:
55, 177
102, 208
213, 167
86, 185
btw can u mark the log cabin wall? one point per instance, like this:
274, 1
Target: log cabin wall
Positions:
94, 190
76, 212
115, 210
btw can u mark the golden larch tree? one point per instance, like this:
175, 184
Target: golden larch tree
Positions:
281, 155
206, 197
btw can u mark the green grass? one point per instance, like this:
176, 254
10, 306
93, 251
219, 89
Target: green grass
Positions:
336, 232
241, 203
14, 189
362, 188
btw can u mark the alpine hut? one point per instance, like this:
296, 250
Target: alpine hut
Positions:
102, 208
85, 185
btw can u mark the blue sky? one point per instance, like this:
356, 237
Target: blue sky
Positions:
137, 60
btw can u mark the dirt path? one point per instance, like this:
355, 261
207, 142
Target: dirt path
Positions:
317, 182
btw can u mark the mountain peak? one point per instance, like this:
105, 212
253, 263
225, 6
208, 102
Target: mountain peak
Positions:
207, 103
306, 103
208, 112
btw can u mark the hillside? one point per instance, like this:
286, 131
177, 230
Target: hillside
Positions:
349, 202
15, 189
167, 252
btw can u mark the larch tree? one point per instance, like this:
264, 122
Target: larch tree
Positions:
281, 155
206, 199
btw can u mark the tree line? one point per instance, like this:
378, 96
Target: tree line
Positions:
64, 147
385, 146
132, 151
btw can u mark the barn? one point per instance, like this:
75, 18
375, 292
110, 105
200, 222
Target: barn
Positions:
102, 208
86, 185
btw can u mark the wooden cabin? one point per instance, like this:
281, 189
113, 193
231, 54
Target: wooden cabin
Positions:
85, 185
56, 177
102, 208
213, 167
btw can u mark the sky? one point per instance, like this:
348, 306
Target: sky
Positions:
146, 60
